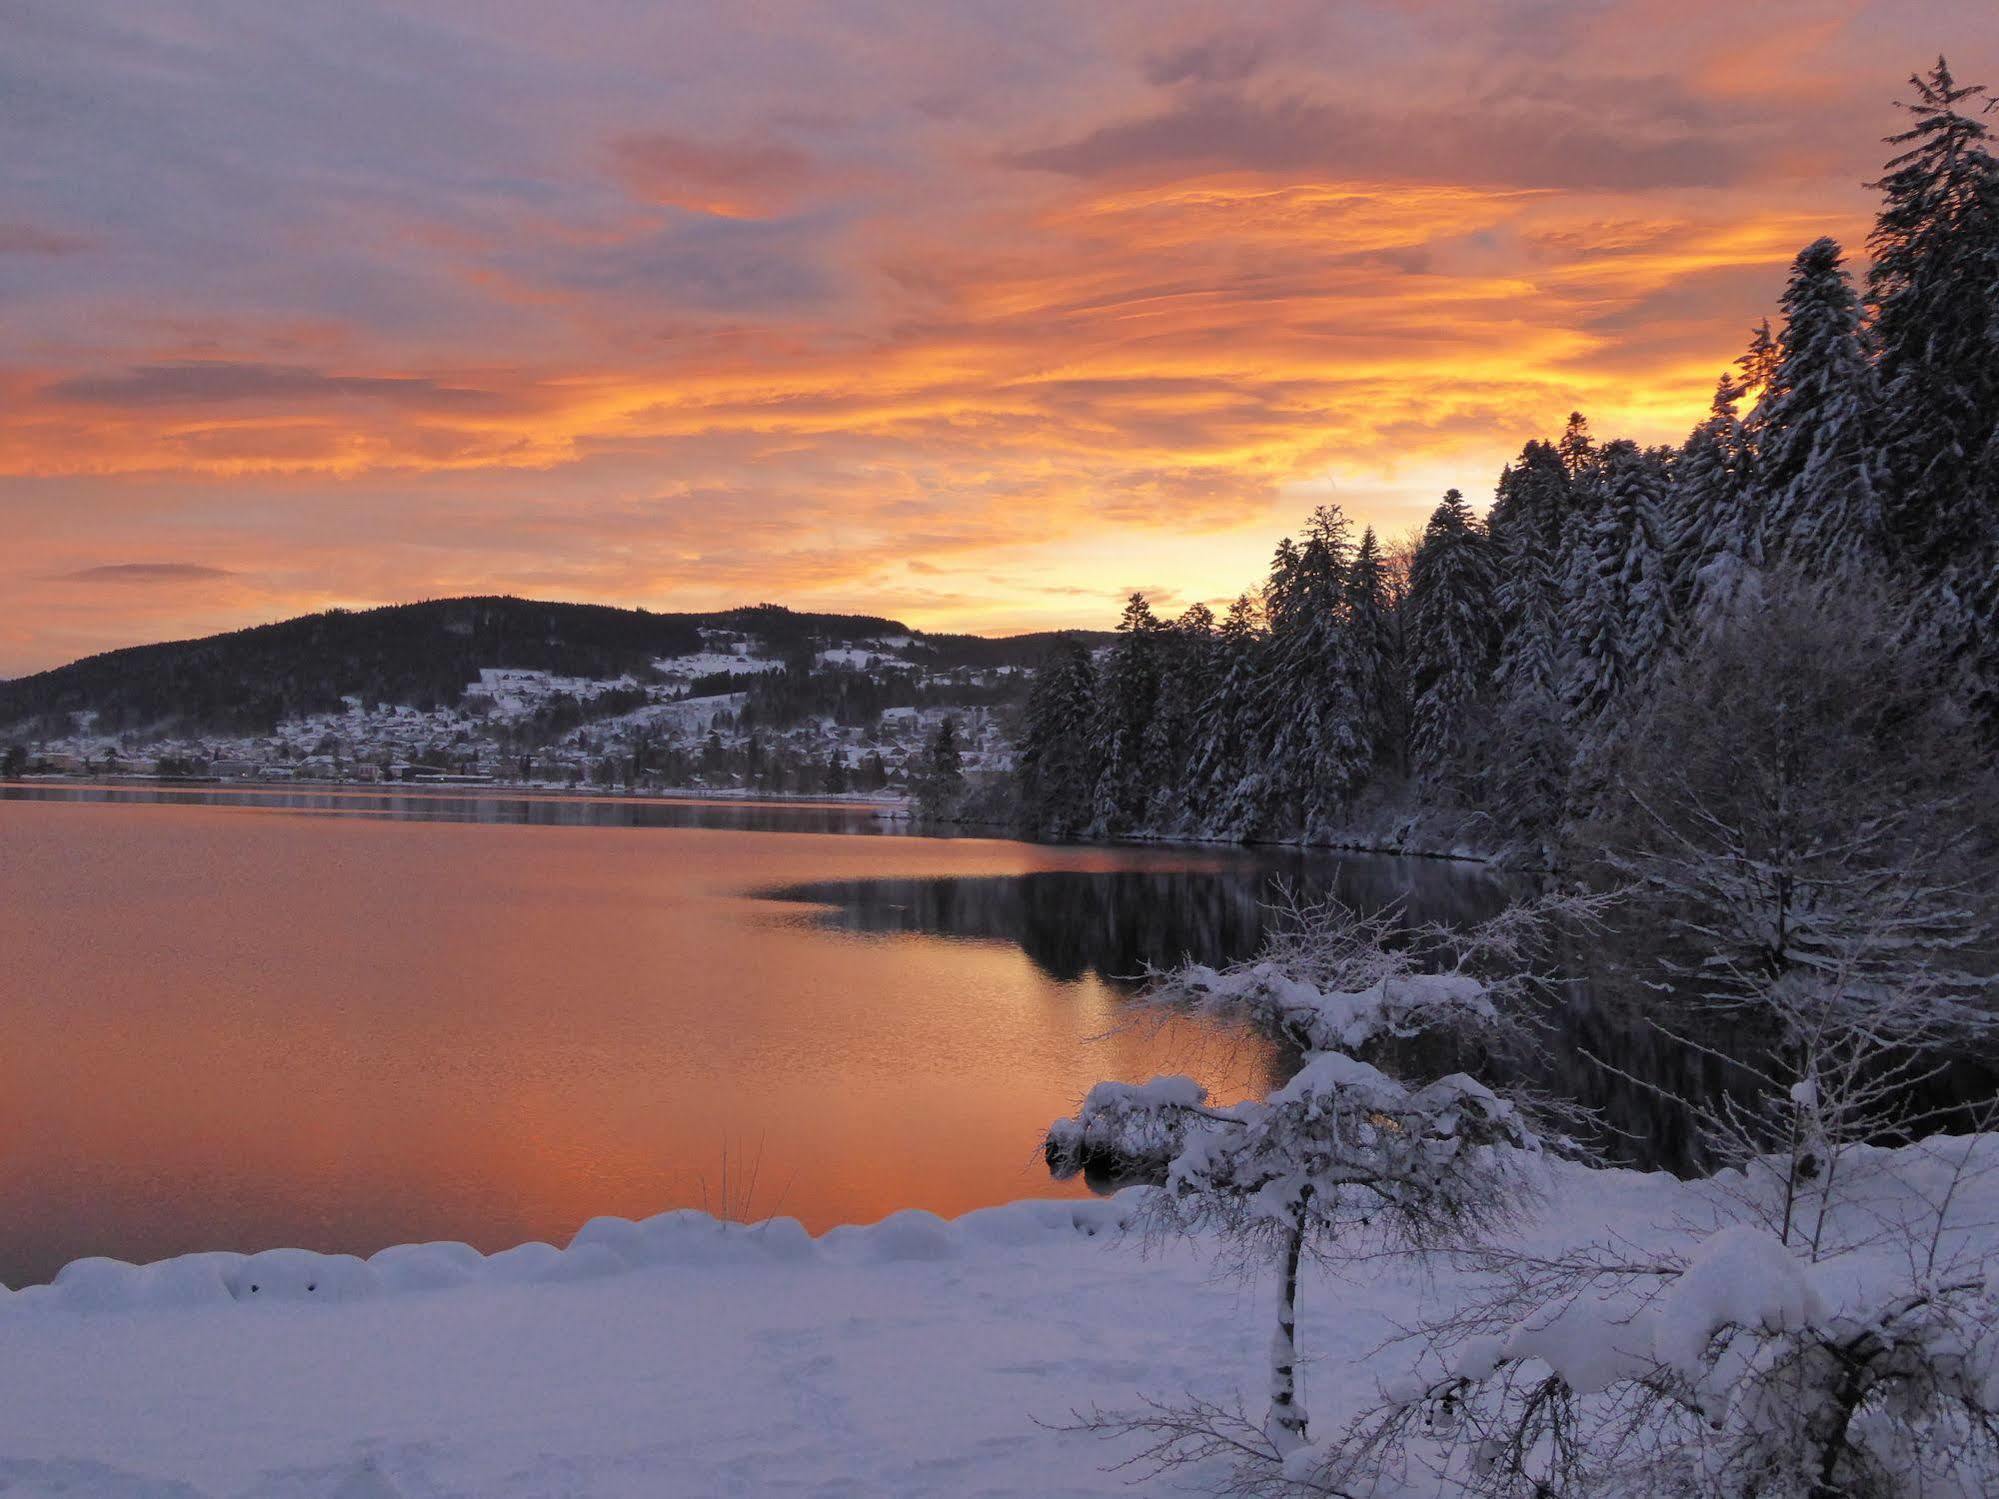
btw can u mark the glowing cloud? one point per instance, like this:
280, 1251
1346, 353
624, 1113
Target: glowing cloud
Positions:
976, 313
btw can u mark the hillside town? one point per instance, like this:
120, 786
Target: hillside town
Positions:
699, 721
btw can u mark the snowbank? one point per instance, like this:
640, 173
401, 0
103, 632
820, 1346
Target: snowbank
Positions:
603, 1246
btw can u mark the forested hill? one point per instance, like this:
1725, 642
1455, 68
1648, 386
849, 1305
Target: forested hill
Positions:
425, 654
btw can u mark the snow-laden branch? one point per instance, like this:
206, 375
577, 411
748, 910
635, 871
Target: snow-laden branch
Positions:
1332, 979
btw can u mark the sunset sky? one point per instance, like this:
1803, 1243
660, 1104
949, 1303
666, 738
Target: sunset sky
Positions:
977, 314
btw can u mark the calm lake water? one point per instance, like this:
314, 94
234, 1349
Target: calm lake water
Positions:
344, 1019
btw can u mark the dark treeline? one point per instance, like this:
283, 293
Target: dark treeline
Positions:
1488, 676
855, 697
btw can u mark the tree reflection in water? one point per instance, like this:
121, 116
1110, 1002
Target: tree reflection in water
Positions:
1111, 924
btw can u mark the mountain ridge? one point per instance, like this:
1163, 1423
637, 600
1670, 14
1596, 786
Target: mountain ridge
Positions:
428, 652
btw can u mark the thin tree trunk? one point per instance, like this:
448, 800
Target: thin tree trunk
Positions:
1286, 1428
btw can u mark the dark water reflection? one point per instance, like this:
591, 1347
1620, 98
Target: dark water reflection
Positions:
1113, 923
1596, 1045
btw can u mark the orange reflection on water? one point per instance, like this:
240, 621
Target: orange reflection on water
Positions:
229, 1028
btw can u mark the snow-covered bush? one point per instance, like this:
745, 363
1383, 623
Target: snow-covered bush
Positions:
1864, 1367
1341, 1150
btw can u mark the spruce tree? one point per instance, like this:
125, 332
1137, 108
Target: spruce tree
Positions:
1758, 362
1375, 670
1530, 750
1934, 285
1452, 638
1226, 766
1638, 487
1315, 760
1709, 517
1618, 611
1055, 775
1187, 677
1127, 699
941, 777
1535, 492
1577, 449
1815, 428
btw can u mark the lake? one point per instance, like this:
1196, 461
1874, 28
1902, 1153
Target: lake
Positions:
349, 1019
346, 1019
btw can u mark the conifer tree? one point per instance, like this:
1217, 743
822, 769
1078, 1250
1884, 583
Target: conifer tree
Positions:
1226, 771
1709, 517
1452, 637
1055, 776
1637, 485
1187, 677
1618, 612
1934, 285
1814, 429
1127, 699
1373, 663
1535, 492
1577, 448
1315, 761
941, 777
1758, 362
1530, 752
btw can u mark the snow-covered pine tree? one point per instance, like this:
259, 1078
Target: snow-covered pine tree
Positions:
1127, 699
1530, 752
1815, 430
1638, 488
1225, 773
1375, 690
1314, 760
1188, 664
1453, 634
1619, 610
1709, 514
1934, 285
1758, 366
1055, 776
941, 777
1536, 492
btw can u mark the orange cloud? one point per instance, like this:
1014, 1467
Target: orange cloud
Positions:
740, 179
1021, 302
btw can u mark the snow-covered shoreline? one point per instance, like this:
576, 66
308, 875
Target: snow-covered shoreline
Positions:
681, 1356
603, 1246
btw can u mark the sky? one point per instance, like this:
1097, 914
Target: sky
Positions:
978, 313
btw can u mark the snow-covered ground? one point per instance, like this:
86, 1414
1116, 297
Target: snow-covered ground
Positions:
680, 1357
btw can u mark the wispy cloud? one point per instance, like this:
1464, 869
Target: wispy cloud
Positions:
145, 572
32, 239
217, 382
